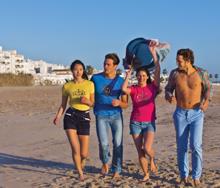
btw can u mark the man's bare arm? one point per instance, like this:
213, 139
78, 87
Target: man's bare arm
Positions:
206, 99
170, 87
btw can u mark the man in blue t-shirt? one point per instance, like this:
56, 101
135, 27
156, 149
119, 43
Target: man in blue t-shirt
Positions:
109, 101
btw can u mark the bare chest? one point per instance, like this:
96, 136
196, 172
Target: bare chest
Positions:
189, 82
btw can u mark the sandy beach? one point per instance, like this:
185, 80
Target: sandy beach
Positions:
35, 153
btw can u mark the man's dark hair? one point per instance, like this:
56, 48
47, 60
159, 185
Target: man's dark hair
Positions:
114, 57
187, 54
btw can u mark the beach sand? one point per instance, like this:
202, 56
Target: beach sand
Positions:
35, 153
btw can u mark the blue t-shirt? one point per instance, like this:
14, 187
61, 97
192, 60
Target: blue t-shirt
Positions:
103, 103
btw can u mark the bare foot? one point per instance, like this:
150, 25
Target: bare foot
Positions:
105, 169
196, 182
116, 175
185, 181
81, 177
146, 177
153, 166
83, 163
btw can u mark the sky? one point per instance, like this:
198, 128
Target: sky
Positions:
60, 31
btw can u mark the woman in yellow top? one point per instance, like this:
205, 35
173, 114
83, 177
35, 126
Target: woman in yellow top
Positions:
80, 93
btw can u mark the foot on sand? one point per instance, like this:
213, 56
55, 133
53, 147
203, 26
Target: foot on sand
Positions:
196, 182
81, 177
146, 177
105, 169
116, 175
185, 181
153, 166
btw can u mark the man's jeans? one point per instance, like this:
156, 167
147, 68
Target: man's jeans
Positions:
103, 123
189, 122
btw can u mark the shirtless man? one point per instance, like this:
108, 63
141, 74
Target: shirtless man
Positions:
191, 98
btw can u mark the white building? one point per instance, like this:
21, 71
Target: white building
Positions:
11, 62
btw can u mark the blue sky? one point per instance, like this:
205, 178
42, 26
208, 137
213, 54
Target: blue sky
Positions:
63, 30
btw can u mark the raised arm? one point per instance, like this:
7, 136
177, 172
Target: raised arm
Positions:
152, 48
125, 87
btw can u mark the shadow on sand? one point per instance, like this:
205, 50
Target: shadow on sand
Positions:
39, 165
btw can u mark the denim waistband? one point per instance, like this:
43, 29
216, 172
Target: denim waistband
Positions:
187, 110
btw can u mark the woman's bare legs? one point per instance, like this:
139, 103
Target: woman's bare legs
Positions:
84, 149
75, 146
138, 140
148, 143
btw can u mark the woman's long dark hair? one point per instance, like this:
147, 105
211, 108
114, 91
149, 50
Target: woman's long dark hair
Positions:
78, 62
149, 81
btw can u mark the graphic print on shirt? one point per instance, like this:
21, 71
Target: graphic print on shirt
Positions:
143, 101
143, 96
78, 93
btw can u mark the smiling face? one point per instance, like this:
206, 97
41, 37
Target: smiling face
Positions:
181, 63
142, 78
77, 71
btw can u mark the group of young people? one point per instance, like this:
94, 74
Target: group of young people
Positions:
108, 94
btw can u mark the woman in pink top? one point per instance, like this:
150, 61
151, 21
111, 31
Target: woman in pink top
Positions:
142, 122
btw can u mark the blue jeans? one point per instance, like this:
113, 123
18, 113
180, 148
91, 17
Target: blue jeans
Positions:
189, 122
103, 123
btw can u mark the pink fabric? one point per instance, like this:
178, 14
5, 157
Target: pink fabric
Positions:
143, 99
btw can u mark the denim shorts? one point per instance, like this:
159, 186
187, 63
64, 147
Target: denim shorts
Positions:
142, 127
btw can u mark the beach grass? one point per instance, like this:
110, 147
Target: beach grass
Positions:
8, 79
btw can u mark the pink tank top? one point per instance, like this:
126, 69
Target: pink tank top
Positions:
143, 99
